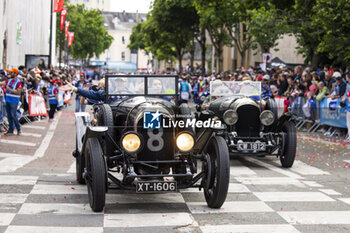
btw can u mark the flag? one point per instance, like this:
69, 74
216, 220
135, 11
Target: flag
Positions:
63, 18
70, 38
58, 5
66, 28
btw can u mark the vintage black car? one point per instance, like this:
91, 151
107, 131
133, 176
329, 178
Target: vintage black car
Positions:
139, 141
253, 127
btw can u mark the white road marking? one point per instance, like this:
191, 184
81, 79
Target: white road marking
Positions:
316, 217
284, 181
229, 207
47, 139
12, 198
13, 163
58, 189
72, 168
141, 198
58, 229
346, 161
312, 184
305, 169
149, 220
274, 168
5, 155
233, 188
292, 196
36, 135
238, 169
17, 142
52, 208
330, 192
6, 218
33, 127
263, 228
16, 180
346, 200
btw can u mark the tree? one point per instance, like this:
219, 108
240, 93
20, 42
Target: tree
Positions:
209, 16
176, 21
91, 38
333, 19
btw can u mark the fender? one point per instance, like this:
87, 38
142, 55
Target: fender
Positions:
285, 117
82, 120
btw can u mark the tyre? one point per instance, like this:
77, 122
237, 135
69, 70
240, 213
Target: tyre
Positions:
95, 175
288, 155
79, 165
105, 118
218, 172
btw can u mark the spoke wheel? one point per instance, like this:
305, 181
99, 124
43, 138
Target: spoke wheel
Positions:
290, 144
95, 175
217, 169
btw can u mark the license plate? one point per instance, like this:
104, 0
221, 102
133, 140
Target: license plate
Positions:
155, 186
251, 146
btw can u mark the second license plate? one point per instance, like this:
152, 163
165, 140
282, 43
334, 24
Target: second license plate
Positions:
251, 146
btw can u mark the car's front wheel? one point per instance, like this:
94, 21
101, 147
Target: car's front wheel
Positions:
290, 144
95, 175
216, 166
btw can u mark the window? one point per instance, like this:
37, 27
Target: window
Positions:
123, 56
123, 40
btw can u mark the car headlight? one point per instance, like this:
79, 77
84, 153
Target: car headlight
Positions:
230, 117
185, 142
131, 142
267, 118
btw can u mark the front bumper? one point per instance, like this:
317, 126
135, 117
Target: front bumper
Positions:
274, 144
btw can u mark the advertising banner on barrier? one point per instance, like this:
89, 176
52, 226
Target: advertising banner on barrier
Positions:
332, 114
37, 106
280, 104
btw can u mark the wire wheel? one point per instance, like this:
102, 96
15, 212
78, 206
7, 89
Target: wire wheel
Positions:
95, 175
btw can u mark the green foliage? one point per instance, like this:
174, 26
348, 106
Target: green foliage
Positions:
91, 38
332, 17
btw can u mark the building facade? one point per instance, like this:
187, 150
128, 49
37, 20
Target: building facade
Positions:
24, 30
119, 26
103, 5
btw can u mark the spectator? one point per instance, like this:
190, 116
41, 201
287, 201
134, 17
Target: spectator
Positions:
13, 92
322, 91
185, 90
339, 89
53, 100
79, 105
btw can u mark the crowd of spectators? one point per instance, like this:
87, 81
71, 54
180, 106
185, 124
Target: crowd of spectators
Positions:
302, 87
17, 83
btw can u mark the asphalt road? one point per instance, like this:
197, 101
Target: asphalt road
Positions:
39, 192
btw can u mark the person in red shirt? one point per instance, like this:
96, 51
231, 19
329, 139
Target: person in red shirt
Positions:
13, 92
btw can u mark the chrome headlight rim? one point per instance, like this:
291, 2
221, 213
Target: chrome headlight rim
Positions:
181, 133
140, 138
225, 117
264, 114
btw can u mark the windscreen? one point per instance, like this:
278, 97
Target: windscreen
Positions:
160, 85
126, 85
229, 88
136, 85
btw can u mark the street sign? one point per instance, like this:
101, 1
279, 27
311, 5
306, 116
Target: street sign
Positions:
267, 57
